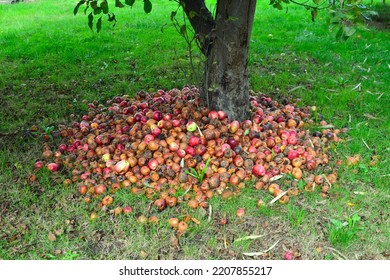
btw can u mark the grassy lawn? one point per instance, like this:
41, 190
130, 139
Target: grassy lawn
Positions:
51, 63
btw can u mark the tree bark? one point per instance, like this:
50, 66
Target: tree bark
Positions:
225, 43
226, 84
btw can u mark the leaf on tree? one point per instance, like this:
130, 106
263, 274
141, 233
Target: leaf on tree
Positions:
104, 6
278, 6
76, 9
97, 11
147, 6
129, 2
119, 4
173, 14
99, 25
90, 20
183, 29
94, 5
111, 17
316, 2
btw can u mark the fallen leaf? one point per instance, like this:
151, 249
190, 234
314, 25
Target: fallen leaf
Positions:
174, 241
59, 232
187, 218
51, 237
143, 254
57, 252
196, 221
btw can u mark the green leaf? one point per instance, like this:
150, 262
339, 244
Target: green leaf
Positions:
85, 10
104, 6
147, 6
94, 5
316, 2
76, 9
97, 11
355, 218
90, 20
129, 2
173, 14
111, 17
119, 4
278, 6
183, 30
99, 25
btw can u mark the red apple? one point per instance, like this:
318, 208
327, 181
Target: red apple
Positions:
234, 126
181, 153
194, 140
190, 150
213, 115
38, 164
221, 115
258, 170
153, 164
127, 210
53, 167
157, 115
292, 154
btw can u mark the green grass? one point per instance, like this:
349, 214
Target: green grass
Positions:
51, 62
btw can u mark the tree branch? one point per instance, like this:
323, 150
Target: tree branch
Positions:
310, 6
201, 20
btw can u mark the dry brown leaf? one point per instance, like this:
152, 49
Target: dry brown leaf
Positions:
57, 252
187, 218
51, 237
59, 231
196, 221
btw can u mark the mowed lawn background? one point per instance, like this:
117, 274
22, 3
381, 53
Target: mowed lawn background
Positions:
52, 64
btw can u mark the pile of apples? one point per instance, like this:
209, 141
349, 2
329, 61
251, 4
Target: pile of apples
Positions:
167, 146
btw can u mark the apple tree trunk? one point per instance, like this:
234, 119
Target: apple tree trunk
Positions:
225, 42
226, 84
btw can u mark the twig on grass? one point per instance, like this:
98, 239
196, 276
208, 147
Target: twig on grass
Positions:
254, 254
210, 213
250, 237
277, 198
275, 178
